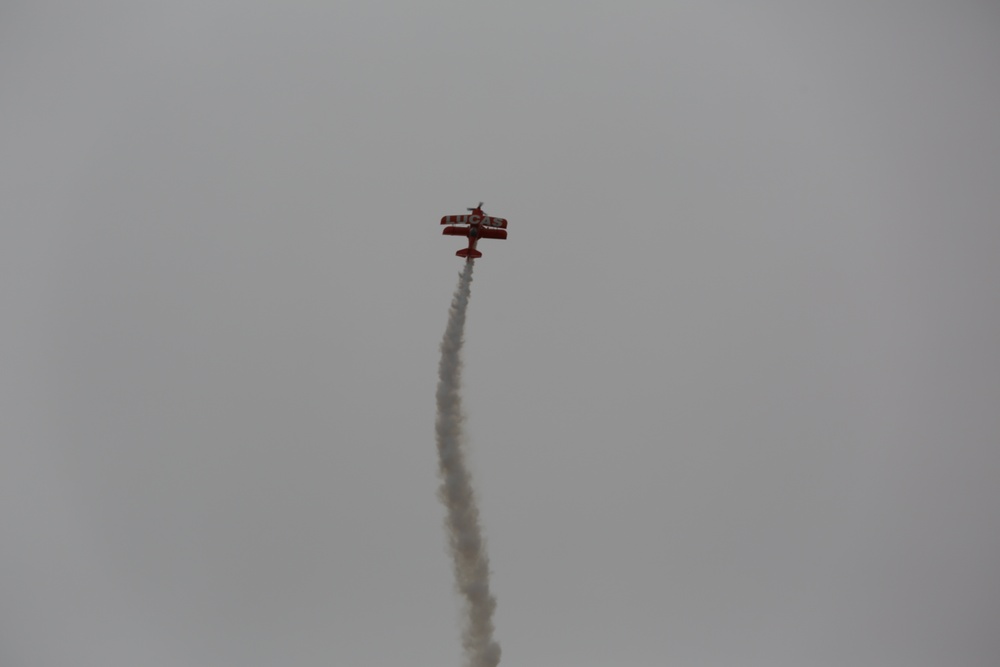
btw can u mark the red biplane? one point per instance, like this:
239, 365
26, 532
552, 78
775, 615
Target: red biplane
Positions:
478, 225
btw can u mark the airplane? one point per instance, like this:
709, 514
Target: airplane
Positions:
480, 226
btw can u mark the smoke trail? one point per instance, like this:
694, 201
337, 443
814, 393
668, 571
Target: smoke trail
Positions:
472, 572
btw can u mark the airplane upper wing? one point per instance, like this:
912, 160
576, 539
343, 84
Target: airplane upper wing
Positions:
487, 221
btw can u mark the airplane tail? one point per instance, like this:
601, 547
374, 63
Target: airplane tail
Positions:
466, 252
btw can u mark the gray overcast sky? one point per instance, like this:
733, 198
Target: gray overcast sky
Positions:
732, 383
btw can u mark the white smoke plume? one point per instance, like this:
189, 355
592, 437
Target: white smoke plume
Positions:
472, 571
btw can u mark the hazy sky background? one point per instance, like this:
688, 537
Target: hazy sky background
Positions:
732, 383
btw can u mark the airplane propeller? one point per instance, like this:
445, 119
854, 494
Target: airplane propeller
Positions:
473, 209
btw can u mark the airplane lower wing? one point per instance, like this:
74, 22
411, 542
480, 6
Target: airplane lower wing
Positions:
488, 233
484, 232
